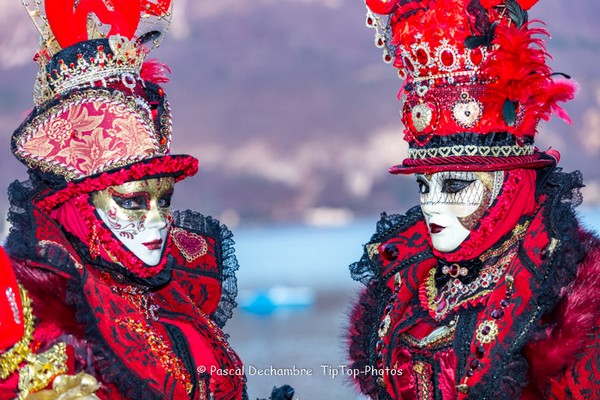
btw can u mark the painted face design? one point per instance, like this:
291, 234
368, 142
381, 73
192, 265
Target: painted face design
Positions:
453, 202
137, 213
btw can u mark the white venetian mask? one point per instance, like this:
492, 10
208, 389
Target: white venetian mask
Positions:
453, 202
137, 214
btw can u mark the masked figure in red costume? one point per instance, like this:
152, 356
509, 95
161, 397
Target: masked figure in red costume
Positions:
489, 289
125, 290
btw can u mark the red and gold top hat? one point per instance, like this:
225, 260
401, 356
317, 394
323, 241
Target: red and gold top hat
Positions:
476, 82
101, 118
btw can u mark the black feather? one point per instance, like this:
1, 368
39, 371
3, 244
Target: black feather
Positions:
566, 76
472, 42
509, 112
516, 13
149, 36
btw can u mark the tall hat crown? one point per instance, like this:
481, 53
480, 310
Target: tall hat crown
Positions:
101, 117
476, 82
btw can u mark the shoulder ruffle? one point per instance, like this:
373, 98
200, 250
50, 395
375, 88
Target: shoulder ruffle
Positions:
366, 269
225, 258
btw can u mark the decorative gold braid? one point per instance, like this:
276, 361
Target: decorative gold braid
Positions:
13, 357
169, 361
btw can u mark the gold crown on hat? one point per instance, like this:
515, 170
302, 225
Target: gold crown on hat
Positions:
62, 23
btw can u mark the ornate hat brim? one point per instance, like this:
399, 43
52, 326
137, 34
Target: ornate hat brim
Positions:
537, 160
179, 166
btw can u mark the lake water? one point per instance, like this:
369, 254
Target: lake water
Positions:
312, 262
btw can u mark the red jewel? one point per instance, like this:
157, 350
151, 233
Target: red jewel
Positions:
486, 330
480, 351
422, 57
101, 48
388, 58
389, 252
476, 56
447, 58
381, 6
409, 64
380, 42
475, 364
454, 270
496, 314
160, 92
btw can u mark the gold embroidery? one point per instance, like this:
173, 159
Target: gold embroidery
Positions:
104, 131
373, 249
13, 357
39, 369
169, 361
424, 385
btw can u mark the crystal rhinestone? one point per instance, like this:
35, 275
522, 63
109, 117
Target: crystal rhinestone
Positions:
504, 303
389, 252
498, 313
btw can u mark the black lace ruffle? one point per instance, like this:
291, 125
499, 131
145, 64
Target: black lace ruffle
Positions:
225, 254
365, 269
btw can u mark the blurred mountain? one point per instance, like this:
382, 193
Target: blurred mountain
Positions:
289, 108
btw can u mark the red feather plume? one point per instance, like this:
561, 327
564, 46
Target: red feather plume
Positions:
517, 66
154, 71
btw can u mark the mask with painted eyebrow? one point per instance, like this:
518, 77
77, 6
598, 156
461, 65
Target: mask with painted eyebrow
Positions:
137, 214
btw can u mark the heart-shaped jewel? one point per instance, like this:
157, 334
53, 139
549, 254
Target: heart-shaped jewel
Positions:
191, 245
422, 116
466, 113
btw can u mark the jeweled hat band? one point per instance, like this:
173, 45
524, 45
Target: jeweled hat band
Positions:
112, 62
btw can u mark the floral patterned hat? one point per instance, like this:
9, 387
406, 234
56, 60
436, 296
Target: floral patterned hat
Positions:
476, 82
101, 118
